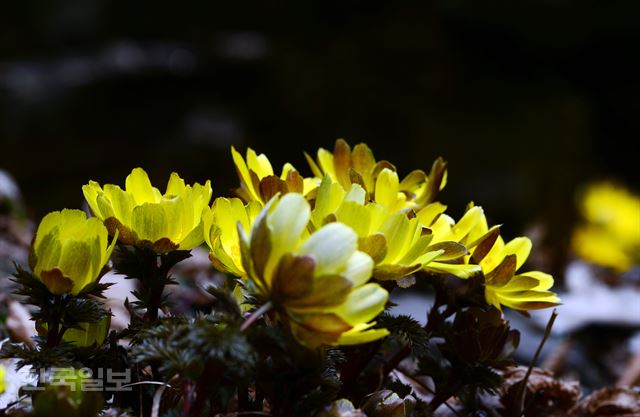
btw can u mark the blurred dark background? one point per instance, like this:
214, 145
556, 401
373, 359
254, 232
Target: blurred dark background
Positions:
526, 100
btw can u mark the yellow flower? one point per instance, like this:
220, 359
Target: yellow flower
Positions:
399, 245
379, 179
500, 261
317, 282
221, 231
146, 218
259, 183
69, 251
611, 234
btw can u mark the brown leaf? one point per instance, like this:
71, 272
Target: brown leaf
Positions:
546, 396
612, 402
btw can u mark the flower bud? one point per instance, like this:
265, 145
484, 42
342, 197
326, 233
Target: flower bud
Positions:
69, 251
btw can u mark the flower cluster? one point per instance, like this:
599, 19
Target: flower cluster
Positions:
315, 250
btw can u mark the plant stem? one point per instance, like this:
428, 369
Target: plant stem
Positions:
153, 284
54, 335
256, 315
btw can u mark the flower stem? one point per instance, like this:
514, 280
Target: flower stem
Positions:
154, 284
256, 315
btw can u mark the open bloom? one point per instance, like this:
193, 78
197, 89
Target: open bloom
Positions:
317, 282
69, 251
500, 261
610, 234
258, 181
399, 245
379, 179
146, 218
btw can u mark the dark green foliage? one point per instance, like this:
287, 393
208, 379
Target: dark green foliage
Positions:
407, 330
152, 270
71, 309
55, 314
226, 302
296, 380
189, 346
59, 356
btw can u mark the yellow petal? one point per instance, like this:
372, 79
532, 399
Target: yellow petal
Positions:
91, 192
428, 214
286, 223
356, 193
521, 247
399, 232
363, 304
74, 263
121, 202
149, 221
331, 247
356, 216
193, 239
330, 195
466, 224
358, 269
359, 335
174, 209
325, 159
244, 175
47, 250
175, 186
459, 270
138, 184
259, 164
545, 281
387, 187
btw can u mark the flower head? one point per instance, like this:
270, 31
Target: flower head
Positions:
258, 181
69, 251
317, 282
379, 179
610, 234
398, 244
500, 261
146, 218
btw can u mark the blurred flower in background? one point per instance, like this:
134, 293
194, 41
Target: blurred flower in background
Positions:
609, 234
